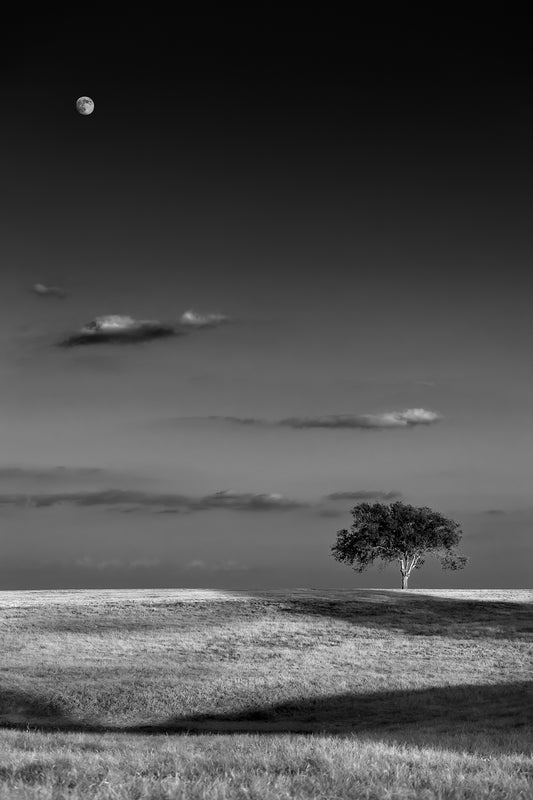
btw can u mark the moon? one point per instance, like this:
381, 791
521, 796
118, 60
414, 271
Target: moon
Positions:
85, 105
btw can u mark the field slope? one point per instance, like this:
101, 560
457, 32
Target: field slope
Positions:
296, 693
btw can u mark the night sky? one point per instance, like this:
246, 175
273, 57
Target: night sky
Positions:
355, 197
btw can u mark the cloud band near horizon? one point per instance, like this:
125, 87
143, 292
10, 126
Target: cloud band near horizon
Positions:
128, 500
363, 495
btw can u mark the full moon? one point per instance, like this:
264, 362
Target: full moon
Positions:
85, 105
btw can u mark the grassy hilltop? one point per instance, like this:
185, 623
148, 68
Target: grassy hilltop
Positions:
302, 693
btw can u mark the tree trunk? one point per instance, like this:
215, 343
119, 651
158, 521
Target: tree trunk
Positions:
405, 578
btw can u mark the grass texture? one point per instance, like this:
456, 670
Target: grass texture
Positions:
281, 694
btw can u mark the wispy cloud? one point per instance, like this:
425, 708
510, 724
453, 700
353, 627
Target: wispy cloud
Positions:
195, 319
237, 420
28, 480
249, 501
324, 510
200, 565
48, 291
19, 473
197, 565
124, 329
389, 419
87, 562
125, 500
363, 495
408, 418
128, 500
120, 329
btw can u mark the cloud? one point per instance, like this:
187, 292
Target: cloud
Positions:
18, 473
408, 418
129, 500
125, 329
121, 329
332, 511
34, 479
218, 566
363, 495
388, 419
137, 500
48, 291
495, 512
144, 563
194, 319
138, 564
239, 420
249, 501
86, 562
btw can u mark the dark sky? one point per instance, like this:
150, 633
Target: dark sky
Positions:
355, 194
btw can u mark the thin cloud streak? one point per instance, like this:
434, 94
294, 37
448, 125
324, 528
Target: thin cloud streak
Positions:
89, 563
49, 473
408, 418
121, 329
124, 329
125, 500
197, 565
218, 566
363, 495
194, 319
48, 291
33, 479
324, 510
390, 419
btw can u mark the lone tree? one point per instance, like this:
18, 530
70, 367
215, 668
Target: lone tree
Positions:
398, 532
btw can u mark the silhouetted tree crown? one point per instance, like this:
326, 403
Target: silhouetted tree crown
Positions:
398, 532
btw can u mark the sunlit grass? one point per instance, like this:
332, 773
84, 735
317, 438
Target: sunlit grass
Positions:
337, 694
247, 766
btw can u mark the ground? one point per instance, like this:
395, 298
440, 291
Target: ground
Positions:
281, 694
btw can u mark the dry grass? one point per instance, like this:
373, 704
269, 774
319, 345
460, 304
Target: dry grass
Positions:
304, 694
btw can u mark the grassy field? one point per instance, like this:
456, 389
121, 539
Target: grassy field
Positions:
280, 694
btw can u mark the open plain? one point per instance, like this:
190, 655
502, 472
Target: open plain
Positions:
271, 694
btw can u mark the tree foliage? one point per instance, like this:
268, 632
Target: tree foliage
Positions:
398, 532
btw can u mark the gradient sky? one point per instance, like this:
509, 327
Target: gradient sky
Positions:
357, 199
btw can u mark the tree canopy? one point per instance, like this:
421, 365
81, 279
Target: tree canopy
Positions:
398, 532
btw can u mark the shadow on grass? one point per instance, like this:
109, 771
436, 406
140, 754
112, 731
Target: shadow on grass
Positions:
407, 717
423, 615
412, 614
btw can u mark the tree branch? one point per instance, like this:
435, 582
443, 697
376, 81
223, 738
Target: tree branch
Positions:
411, 564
